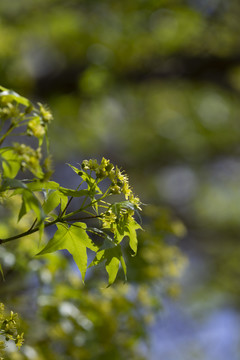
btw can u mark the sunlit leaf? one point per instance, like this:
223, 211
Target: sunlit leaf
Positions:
52, 201
122, 229
74, 193
10, 162
63, 201
133, 226
13, 96
39, 186
75, 240
112, 257
30, 202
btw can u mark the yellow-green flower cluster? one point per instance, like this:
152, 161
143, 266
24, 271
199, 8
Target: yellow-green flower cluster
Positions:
37, 125
8, 329
108, 219
19, 340
119, 181
117, 217
8, 110
135, 201
45, 113
29, 158
123, 212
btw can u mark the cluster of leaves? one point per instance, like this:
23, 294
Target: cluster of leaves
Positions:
18, 116
116, 220
149, 96
50, 202
9, 329
95, 217
76, 321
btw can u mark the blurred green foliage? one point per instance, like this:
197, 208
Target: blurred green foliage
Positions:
9, 329
30, 206
153, 85
62, 318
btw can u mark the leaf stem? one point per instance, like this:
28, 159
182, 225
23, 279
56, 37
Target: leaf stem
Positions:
9, 130
26, 233
33, 230
70, 200
61, 219
85, 218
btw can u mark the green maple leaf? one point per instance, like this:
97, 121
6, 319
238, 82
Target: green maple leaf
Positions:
128, 230
74, 239
112, 257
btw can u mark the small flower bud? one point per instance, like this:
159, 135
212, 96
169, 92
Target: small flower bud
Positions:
85, 165
115, 189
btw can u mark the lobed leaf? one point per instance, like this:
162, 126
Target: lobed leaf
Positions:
112, 257
122, 229
133, 226
74, 239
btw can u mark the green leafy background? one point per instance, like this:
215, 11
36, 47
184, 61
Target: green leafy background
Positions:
154, 86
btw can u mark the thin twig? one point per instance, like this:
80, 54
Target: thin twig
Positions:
85, 218
9, 130
26, 233
69, 201
62, 219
